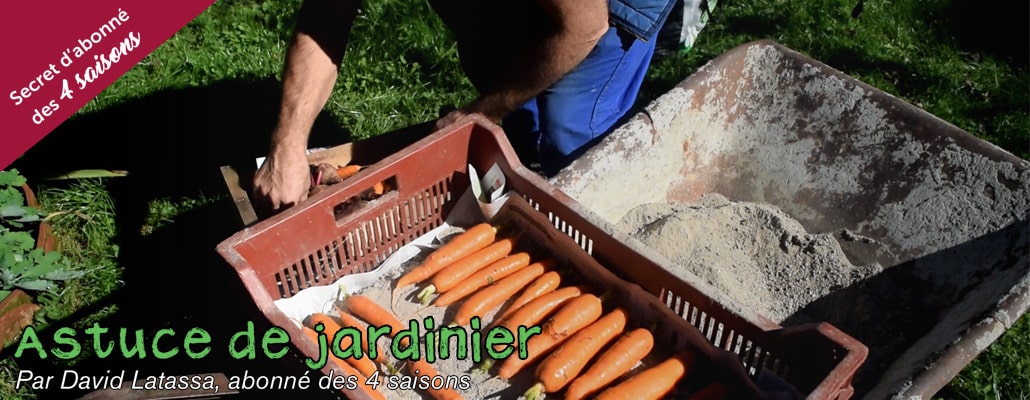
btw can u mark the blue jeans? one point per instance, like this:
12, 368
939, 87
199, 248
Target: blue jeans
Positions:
563, 121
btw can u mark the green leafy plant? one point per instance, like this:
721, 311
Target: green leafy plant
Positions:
22, 265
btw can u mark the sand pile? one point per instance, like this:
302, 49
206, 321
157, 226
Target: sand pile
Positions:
754, 252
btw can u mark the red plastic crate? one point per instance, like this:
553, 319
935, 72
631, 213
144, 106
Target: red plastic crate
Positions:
334, 233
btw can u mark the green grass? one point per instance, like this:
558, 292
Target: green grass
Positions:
83, 213
82, 216
998, 373
401, 68
230, 40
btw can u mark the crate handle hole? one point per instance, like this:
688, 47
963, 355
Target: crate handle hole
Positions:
349, 207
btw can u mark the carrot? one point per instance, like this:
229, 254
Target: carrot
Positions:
571, 318
537, 310
486, 276
421, 368
465, 243
365, 308
347, 171
378, 188
451, 275
468, 242
363, 364
712, 391
544, 284
492, 296
654, 382
347, 369
350, 320
565, 363
610, 365
533, 313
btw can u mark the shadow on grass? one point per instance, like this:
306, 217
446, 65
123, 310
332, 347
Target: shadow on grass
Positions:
998, 29
172, 143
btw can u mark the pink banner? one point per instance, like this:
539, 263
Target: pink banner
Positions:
60, 56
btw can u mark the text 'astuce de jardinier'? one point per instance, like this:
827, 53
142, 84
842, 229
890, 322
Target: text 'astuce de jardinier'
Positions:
427, 341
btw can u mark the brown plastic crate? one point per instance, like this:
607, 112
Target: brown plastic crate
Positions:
315, 244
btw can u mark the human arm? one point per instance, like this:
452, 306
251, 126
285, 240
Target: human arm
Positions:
309, 74
570, 30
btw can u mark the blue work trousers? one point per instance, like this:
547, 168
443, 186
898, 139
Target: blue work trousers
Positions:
563, 121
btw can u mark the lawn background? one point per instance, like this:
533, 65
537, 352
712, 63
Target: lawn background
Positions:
208, 96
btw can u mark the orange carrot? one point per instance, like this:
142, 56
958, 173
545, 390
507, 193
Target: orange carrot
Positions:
546, 283
419, 368
539, 309
565, 363
363, 364
654, 382
465, 243
365, 308
347, 171
452, 274
610, 365
349, 320
492, 296
484, 277
571, 318
378, 188
347, 369
712, 391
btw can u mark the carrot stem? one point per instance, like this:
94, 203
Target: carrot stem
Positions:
534, 392
485, 366
472, 240
423, 296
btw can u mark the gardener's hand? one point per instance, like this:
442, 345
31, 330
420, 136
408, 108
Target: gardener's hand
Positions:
449, 117
282, 181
